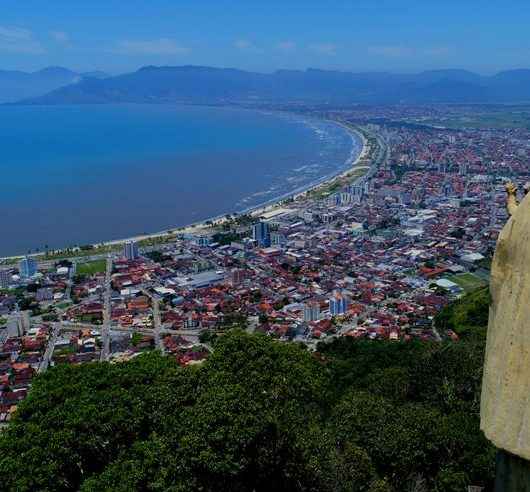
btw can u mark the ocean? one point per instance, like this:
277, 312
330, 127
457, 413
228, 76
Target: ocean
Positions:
73, 175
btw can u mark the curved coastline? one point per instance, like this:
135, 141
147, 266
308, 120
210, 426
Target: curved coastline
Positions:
255, 210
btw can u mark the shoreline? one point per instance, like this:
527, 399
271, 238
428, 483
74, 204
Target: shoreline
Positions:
269, 205
257, 210
254, 211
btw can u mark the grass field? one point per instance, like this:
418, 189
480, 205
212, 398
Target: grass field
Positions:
64, 305
338, 183
92, 267
467, 281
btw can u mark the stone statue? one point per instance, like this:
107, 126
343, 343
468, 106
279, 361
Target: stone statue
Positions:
505, 403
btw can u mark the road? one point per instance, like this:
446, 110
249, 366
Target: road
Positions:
157, 323
46, 264
121, 329
68, 293
72, 326
105, 332
47, 357
435, 332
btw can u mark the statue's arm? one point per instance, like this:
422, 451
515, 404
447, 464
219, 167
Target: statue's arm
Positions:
511, 202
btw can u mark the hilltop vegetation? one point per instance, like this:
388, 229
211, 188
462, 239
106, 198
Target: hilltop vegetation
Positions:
467, 316
259, 415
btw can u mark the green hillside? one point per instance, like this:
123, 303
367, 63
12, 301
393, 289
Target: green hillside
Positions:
467, 316
259, 415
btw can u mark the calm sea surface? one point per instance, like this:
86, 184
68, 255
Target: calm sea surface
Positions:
73, 175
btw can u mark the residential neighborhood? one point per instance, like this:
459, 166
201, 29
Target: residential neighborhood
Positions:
374, 254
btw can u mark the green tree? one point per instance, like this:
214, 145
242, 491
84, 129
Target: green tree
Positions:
258, 415
467, 316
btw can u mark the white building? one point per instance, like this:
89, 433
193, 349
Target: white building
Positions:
130, 250
5, 279
312, 311
27, 267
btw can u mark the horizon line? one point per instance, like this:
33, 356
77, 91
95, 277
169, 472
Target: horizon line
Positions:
270, 72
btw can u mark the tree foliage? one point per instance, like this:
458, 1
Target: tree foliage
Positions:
258, 415
467, 316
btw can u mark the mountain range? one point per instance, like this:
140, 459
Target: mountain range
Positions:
207, 85
17, 85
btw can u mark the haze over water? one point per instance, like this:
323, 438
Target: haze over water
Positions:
74, 175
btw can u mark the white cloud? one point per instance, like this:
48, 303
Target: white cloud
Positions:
286, 46
162, 46
244, 44
19, 40
60, 37
328, 49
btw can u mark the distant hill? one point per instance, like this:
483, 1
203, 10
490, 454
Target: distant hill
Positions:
16, 85
195, 84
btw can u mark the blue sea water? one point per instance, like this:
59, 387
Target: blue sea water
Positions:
73, 175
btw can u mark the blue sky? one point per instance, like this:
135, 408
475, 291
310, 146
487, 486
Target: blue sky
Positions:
398, 36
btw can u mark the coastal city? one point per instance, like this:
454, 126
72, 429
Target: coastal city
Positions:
264, 247
374, 253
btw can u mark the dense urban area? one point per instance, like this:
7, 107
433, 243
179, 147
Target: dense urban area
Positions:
380, 254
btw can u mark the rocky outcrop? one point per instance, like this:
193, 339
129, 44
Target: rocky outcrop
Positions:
505, 405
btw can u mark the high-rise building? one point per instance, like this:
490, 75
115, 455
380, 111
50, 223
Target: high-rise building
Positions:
338, 304
334, 200
312, 311
44, 294
278, 239
5, 278
23, 322
357, 192
27, 267
237, 276
130, 250
261, 234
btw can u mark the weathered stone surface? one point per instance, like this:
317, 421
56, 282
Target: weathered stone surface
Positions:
505, 405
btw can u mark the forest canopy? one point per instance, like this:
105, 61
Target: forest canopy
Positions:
258, 415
